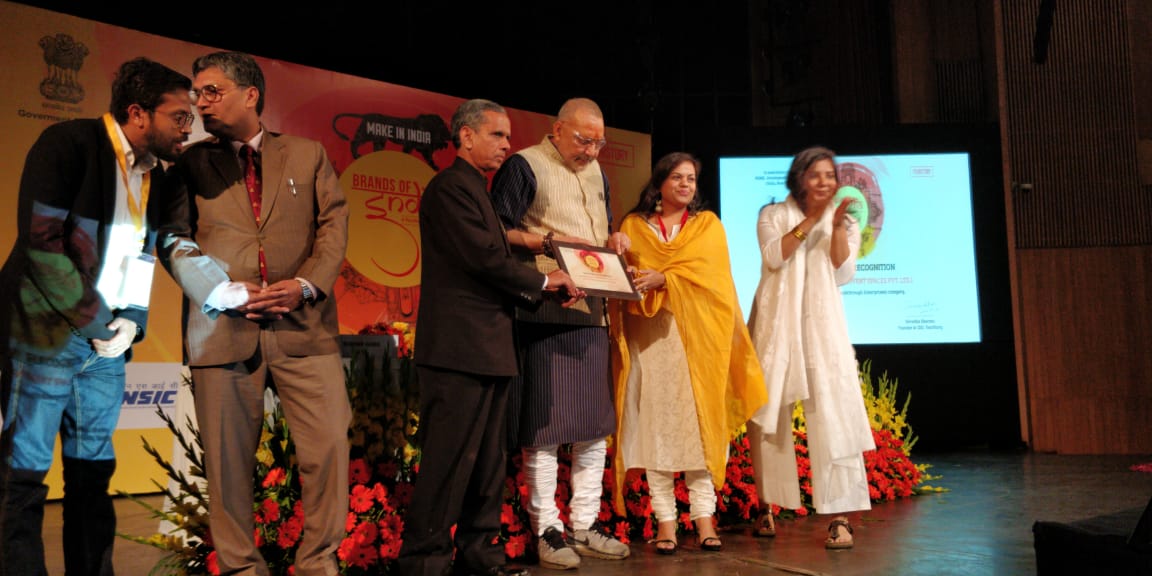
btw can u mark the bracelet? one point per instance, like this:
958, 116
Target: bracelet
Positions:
546, 244
798, 233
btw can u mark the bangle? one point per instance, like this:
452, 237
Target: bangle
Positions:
546, 244
798, 233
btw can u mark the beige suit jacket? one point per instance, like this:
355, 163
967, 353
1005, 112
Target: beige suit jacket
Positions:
211, 236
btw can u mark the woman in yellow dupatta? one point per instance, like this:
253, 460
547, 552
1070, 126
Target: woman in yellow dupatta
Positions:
686, 374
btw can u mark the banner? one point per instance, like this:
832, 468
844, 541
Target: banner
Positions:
385, 141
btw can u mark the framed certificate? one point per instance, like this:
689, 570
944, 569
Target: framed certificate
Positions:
595, 270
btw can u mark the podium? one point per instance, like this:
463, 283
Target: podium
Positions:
372, 355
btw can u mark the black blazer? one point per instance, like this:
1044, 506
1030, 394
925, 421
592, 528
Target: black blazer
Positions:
470, 282
64, 216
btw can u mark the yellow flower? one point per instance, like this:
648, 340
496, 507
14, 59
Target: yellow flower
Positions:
413, 423
410, 453
264, 455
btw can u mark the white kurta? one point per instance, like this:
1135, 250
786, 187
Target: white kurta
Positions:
659, 393
801, 336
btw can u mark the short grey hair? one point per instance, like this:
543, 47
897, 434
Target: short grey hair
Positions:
471, 114
239, 67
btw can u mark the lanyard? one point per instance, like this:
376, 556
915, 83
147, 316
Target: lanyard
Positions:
136, 210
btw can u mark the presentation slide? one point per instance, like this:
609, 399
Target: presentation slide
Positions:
915, 277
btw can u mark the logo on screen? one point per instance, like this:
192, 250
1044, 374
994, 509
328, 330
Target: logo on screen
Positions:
859, 182
426, 133
64, 57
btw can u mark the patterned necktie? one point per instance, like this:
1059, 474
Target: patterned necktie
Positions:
255, 192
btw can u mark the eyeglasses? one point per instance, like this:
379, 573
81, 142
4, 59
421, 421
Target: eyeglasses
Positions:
183, 119
586, 142
211, 93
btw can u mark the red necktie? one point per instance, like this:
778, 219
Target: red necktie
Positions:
255, 192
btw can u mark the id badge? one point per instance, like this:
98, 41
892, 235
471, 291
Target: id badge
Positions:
137, 287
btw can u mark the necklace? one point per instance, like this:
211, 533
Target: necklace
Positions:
663, 231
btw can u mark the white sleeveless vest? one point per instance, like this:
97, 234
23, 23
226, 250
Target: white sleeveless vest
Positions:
568, 204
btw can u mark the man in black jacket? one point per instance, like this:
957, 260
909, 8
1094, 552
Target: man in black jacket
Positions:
466, 355
73, 299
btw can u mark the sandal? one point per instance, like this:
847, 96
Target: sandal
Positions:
835, 535
666, 547
707, 525
765, 526
711, 544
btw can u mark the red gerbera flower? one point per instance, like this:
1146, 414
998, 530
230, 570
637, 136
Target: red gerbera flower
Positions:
275, 477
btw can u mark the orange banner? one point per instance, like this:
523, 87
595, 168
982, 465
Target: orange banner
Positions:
384, 139
386, 142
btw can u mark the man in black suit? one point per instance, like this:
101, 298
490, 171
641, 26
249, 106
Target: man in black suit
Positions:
466, 355
73, 300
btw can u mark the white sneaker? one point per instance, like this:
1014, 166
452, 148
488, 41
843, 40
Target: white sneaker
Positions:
554, 551
595, 543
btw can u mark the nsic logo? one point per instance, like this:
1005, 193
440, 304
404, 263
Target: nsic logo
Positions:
149, 397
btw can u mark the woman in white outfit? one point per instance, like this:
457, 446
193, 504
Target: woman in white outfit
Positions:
808, 247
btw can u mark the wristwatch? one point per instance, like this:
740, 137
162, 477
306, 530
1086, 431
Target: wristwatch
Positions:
306, 292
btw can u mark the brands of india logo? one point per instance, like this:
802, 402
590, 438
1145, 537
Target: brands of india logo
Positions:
384, 190
64, 57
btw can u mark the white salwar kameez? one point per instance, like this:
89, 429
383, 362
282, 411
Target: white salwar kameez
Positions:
801, 336
660, 393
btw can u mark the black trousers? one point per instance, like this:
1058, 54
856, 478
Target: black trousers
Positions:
461, 480
89, 519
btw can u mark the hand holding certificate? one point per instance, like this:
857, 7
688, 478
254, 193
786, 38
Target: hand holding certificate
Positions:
596, 270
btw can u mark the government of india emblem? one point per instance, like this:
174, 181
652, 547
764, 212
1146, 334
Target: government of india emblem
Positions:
64, 57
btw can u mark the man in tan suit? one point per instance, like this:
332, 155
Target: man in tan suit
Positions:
256, 237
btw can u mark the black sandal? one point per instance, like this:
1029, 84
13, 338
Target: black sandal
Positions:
711, 544
833, 542
666, 550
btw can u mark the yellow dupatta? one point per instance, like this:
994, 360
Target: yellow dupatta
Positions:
727, 381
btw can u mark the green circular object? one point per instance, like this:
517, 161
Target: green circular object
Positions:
859, 208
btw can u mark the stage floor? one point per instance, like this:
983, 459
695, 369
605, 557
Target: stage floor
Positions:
981, 526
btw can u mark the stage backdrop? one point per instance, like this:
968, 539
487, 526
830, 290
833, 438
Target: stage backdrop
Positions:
385, 141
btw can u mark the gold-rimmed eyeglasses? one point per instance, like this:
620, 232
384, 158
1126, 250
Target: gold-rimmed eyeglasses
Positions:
584, 142
210, 92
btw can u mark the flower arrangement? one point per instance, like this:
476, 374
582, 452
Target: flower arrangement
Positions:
403, 332
382, 468
279, 513
384, 462
189, 548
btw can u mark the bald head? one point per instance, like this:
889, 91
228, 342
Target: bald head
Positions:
578, 133
579, 107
